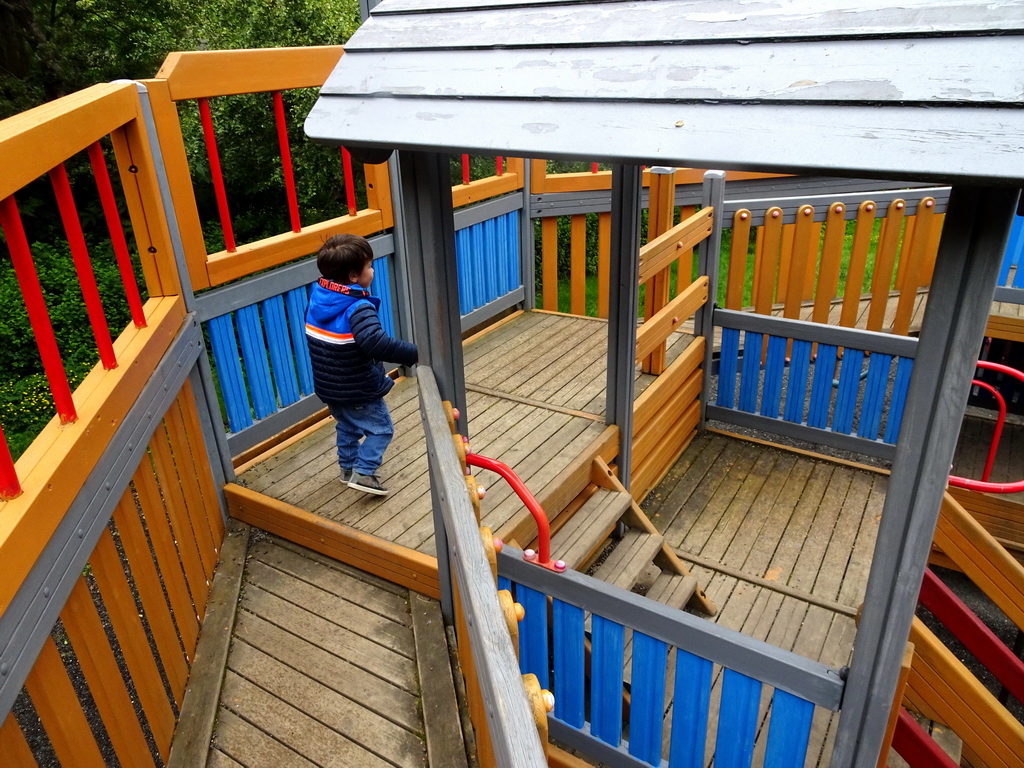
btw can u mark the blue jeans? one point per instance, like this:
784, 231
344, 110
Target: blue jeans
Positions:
369, 422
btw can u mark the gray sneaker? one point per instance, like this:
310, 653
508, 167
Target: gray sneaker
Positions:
346, 475
367, 484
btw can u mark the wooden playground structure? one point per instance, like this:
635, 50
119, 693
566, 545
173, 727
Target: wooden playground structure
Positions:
184, 580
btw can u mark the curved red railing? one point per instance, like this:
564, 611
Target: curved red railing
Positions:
983, 485
539, 516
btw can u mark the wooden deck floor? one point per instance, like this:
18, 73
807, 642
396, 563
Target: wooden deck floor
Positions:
322, 669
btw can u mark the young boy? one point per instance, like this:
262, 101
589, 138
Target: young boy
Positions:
346, 344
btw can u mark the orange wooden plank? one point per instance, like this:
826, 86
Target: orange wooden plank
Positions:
785, 256
131, 636
481, 189
549, 262
151, 594
863, 230
802, 260
378, 192
202, 74
604, 250
197, 567
653, 399
578, 264
917, 261
661, 207
99, 666
60, 711
738, 251
171, 569
771, 250
653, 333
885, 259
684, 263
188, 470
13, 746
658, 254
538, 176
194, 431
831, 262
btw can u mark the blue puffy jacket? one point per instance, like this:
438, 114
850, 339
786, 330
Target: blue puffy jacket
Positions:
346, 344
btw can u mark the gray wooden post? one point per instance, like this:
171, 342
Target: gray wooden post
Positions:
973, 238
708, 257
426, 203
527, 257
623, 297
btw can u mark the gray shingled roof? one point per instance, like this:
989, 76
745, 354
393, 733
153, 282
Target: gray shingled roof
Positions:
914, 89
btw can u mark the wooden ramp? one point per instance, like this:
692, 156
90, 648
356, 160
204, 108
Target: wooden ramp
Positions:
783, 543
329, 666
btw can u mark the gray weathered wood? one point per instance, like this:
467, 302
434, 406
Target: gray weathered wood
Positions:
591, 525
634, 552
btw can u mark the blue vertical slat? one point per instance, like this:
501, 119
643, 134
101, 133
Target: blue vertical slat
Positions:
737, 721
728, 363
533, 634
796, 388
750, 371
904, 367
462, 265
229, 372
849, 384
691, 699
381, 288
282, 359
606, 680
647, 702
254, 358
1014, 254
515, 278
788, 731
821, 389
774, 367
568, 638
874, 396
504, 583
295, 302
485, 272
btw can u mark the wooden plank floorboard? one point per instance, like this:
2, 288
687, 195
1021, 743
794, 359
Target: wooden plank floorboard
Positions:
248, 745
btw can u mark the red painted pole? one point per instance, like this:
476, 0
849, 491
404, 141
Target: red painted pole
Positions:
83, 266
350, 181
10, 488
217, 175
997, 433
593, 167
916, 747
499, 165
117, 239
465, 169
286, 162
35, 306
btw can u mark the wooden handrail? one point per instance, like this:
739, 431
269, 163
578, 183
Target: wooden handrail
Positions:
664, 249
654, 331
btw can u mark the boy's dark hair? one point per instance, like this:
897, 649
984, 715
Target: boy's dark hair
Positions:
342, 256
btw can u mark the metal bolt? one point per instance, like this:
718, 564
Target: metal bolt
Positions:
929, 203
133, 169
47, 592
899, 206
498, 544
744, 216
456, 414
529, 554
807, 211
776, 214
839, 209
675, 320
481, 491
5, 668
559, 565
869, 207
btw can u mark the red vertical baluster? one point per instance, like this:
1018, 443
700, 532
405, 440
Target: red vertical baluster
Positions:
117, 239
593, 167
217, 175
286, 162
465, 169
350, 182
499, 165
9, 486
83, 267
35, 306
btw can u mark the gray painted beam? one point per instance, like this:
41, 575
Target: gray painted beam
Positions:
429, 229
803, 677
973, 241
623, 298
27, 622
1010, 295
851, 200
489, 209
264, 429
481, 315
803, 330
591, 746
708, 258
527, 258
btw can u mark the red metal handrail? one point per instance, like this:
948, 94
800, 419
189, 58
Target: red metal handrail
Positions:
539, 516
983, 485
350, 184
286, 162
219, 192
916, 747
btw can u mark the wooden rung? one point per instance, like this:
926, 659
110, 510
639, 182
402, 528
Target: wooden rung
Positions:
583, 534
673, 589
627, 561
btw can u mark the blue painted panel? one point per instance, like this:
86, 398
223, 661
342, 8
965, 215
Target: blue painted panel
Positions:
874, 396
728, 364
788, 731
737, 721
751, 371
533, 634
228, 368
569, 656
774, 367
462, 263
849, 385
606, 680
691, 698
487, 255
295, 302
504, 583
904, 367
796, 388
381, 287
282, 359
1014, 255
821, 389
254, 358
647, 703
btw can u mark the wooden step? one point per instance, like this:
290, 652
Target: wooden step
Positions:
673, 589
627, 561
583, 535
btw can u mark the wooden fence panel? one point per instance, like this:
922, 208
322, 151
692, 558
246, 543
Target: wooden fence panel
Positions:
831, 263
885, 261
604, 249
13, 746
738, 250
549, 262
578, 265
863, 230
